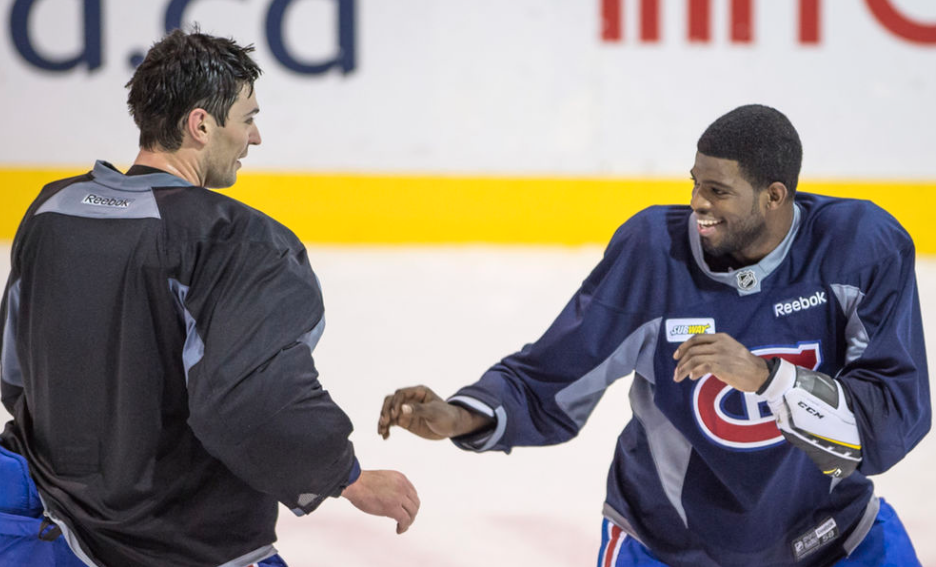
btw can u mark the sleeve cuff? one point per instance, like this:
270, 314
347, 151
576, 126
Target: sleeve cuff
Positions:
355, 473
486, 438
472, 404
307, 503
781, 380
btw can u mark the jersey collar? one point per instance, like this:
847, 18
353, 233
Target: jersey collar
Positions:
108, 175
746, 280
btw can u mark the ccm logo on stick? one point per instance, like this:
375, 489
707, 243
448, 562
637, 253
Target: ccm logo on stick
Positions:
801, 304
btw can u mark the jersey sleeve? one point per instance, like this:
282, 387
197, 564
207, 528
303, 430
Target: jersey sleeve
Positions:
254, 314
544, 394
11, 374
885, 376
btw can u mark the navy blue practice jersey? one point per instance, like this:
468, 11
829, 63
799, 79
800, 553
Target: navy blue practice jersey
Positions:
702, 474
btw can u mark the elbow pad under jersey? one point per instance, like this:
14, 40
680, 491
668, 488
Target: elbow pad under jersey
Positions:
813, 414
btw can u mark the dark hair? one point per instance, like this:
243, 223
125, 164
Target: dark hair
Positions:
180, 73
763, 142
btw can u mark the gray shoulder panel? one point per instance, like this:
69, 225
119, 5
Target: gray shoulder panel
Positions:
856, 336
579, 398
194, 348
669, 448
92, 200
312, 338
111, 195
10, 369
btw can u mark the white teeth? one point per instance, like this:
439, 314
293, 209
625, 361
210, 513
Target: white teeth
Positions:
707, 223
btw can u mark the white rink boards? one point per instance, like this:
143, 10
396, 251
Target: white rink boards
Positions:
440, 316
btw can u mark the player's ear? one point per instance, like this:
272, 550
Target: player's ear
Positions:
776, 194
197, 124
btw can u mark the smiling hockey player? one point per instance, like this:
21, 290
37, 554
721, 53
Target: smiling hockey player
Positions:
777, 348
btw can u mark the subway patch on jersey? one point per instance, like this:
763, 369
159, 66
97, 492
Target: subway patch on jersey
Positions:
681, 330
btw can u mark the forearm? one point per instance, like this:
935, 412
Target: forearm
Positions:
471, 421
299, 454
813, 414
516, 416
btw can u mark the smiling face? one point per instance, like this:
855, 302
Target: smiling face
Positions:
732, 216
228, 144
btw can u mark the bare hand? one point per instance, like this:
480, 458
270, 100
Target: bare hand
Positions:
422, 412
720, 354
385, 493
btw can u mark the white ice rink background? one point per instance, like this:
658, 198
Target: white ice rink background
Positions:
501, 88
440, 316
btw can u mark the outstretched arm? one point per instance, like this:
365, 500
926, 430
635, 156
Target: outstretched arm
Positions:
543, 394
420, 411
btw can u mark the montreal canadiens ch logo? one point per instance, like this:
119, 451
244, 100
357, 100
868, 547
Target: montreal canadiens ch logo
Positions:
736, 419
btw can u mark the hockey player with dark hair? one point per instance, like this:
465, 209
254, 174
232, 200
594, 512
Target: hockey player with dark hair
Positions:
156, 349
777, 348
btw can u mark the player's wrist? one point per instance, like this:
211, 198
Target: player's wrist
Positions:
469, 421
766, 369
781, 378
354, 489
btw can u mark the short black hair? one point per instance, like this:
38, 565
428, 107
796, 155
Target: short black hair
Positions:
763, 142
182, 72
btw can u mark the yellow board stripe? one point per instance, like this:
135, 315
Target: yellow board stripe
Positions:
408, 209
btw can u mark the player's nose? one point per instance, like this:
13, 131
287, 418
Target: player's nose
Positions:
698, 203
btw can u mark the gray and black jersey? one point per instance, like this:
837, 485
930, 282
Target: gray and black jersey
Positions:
157, 358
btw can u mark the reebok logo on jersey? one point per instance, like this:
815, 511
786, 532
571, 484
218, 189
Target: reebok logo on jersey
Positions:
681, 330
801, 304
92, 199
